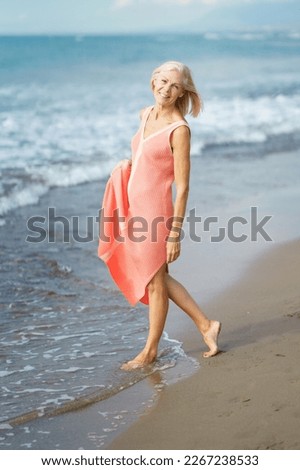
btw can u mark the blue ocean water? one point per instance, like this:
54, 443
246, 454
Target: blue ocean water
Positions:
69, 105
68, 109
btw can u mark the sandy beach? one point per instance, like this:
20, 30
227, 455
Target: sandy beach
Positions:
247, 397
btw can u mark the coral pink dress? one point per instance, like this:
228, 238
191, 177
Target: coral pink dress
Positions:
142, 195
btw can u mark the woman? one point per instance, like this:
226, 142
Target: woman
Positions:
148, 234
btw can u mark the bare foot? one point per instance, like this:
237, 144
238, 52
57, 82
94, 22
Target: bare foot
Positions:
211, 338
141, 360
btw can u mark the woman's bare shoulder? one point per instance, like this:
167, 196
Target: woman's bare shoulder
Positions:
183, 130
143, 110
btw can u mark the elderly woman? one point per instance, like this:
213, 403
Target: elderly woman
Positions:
143, 188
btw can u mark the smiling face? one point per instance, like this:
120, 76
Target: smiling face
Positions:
167, 87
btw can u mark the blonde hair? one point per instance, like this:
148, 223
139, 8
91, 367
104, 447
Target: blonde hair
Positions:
191, 101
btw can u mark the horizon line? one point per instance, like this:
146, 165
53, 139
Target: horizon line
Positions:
148, 33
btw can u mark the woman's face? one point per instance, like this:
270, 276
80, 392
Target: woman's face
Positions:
167, 87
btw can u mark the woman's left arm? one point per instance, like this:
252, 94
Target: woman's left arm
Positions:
181, 154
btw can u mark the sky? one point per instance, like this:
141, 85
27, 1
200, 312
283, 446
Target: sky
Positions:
145, 16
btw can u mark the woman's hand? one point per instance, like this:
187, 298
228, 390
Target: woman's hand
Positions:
120, 163
173, 248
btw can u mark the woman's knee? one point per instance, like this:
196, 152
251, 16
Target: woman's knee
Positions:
158, 282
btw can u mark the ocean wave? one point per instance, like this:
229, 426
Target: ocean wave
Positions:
248, 120
260, 35
42, 178
213, 36
294, 35
66, 146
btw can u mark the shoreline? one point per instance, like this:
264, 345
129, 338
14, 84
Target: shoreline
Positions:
244, 398
247, 396
219, 268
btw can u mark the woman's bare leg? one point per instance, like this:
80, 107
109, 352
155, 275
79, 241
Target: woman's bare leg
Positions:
210, 329
158, 309
162, 288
